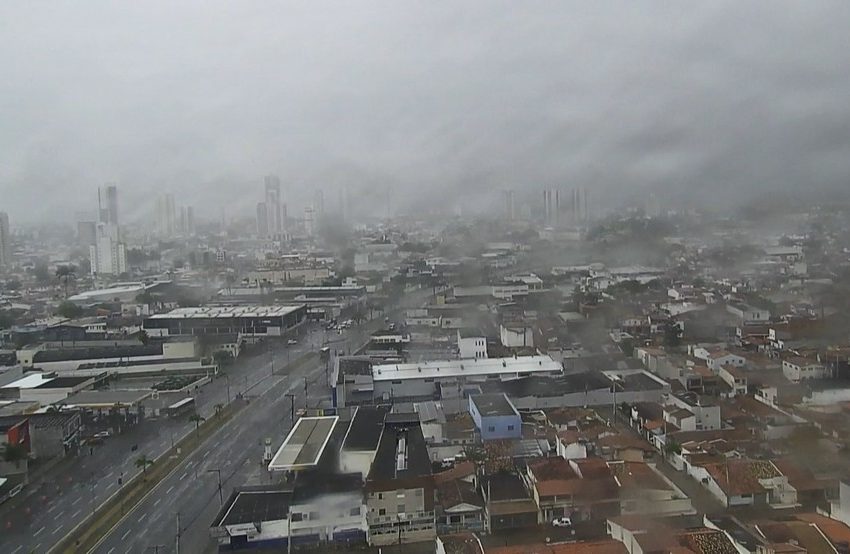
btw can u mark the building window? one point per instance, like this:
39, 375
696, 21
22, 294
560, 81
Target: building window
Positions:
510, 427
400, 509
491, 428
382, 512
380, 496
354, 511
296, 516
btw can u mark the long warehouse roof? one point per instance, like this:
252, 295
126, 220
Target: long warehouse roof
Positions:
469, 367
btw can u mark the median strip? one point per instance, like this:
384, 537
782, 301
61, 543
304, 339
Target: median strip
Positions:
89, 532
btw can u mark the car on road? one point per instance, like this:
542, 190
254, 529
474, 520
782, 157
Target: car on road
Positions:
291, 342
562, 522
101, 435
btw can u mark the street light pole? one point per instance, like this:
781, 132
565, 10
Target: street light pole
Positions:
291, 408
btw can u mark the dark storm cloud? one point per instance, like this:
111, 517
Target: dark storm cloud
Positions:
203, 98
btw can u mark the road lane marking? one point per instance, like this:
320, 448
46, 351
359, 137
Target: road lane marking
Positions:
37, 532
16, 550
171, 488
185, 473
56, 530
74, 503
75, 514
50, 509
158, 500
111, 550
127, 532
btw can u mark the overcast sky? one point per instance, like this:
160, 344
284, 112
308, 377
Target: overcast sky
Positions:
204, 98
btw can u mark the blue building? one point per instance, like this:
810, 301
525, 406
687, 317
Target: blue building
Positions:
495, 416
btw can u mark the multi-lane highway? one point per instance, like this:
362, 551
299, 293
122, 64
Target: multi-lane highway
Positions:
66, 495
233, 454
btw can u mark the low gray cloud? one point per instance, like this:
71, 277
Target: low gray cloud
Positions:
430, 100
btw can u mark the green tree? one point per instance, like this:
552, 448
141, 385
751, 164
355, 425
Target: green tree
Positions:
143, 337
143, 462
69, 310
197, 420
66, 274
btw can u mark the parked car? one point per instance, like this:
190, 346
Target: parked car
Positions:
291, 342
101, 435
562, 522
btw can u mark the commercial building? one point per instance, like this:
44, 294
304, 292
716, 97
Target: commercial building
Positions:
495, 417
428, 379
253, 322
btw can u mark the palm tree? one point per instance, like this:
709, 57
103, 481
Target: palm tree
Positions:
66, 274
143, 462
197, 419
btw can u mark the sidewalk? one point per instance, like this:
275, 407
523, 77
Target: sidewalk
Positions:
37, 481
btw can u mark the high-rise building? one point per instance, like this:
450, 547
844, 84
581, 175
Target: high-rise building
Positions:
165, 216
309, 222
86, 233
262, 220
190, 221
319, 204
108, 254
107, 202
5, 241
275, 215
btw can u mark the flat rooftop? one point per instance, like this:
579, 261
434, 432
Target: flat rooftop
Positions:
124, 288
106, 398
254, 507
493, 405
228, 312
305, 443
30, 381
468, 368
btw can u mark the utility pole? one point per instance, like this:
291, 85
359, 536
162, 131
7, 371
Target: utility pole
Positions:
291, 409
177, 545
227, 380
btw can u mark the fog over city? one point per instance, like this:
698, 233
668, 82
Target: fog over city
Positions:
435, 101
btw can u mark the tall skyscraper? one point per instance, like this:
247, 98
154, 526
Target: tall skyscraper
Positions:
190, 221
275, 214
108, 254
5, 242
165, 216
309, 221
262, 220
107, 202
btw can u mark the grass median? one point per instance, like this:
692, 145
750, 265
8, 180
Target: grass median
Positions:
87, 534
